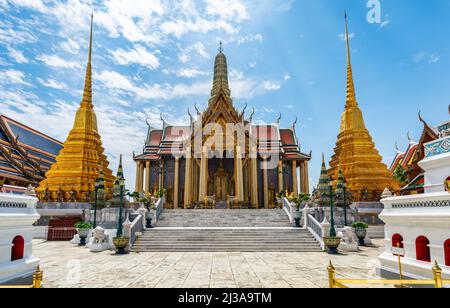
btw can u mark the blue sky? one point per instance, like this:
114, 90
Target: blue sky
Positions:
288, 56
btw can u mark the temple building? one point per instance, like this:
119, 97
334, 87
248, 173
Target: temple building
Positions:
407, 162
355, 153
222, 158
78, 164
25, 155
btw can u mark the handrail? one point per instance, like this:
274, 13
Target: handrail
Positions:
341, 283
288, 208
159, 208
38, 275
136, 226
315, 228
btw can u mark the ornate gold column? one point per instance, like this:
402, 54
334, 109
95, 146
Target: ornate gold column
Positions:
305, 172
141, 177
294, 177
266, 183
239, 183
136, 188
187, 179
147, 177
203, 176
254, 178
280, 176
176, 184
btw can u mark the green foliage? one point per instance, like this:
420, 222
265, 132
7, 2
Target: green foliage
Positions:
400, 174
83, 225
281, 195
304, 197
360, 225
161, 193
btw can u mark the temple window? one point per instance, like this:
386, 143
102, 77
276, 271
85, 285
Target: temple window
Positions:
447, 252
18, 246
423, 249
397, 241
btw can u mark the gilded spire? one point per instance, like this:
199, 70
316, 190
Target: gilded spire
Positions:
82, 159
87, 93
220, 75
355, 157
351, 97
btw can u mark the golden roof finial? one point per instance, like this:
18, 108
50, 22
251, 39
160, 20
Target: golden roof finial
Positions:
87, 93
351, 97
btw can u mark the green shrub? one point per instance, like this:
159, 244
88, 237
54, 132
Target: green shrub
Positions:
360, 225
83, 225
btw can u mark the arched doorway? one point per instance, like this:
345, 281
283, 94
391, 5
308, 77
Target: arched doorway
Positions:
423, 249
447, 252
18, 246
397, 241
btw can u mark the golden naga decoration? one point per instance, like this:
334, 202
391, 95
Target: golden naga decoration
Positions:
72, 177
355, 151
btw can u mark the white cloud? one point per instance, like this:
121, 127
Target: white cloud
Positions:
57, 62
70, 46
228, 9
13, 77
434, 59
37, 5
250, 38
190, 73
285, 6
139, 55
271, 86
51, 83
350, 36
17, 55
287, 77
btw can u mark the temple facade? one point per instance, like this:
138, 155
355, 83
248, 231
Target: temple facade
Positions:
355, 153
79, 163
222, 159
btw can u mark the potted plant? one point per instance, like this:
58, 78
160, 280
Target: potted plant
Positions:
83, 229
360, 231
121, 244
332, 242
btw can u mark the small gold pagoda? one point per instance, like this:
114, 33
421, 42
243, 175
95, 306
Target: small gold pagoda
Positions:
78, 165
355, 153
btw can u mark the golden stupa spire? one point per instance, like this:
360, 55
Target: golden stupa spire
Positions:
82, 159
351, 97
355, 156
87, 93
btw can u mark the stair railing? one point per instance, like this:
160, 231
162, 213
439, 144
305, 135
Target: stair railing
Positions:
316, 229
159, 208
289, 209
137, 226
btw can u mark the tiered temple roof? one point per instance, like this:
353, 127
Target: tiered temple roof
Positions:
415, 152
25, 154
170, 140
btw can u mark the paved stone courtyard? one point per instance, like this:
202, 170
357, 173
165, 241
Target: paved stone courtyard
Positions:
65, 265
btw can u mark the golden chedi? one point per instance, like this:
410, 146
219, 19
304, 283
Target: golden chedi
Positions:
355, 153
78, 165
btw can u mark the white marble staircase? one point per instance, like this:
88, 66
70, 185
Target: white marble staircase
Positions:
225, 231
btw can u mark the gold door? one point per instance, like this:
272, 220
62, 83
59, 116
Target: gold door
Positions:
221, 187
